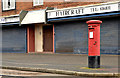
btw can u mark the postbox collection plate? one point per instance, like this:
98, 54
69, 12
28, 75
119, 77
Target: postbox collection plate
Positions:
91, 34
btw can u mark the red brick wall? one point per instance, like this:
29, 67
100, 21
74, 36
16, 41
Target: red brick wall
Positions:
0, 9
19, 6
29, 6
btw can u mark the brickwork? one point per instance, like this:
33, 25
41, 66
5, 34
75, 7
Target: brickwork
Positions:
29, 6
0, 9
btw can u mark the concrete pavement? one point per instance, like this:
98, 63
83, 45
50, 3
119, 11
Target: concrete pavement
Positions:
73, 64
8, 72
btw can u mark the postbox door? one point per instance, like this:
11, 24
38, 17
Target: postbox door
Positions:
92, 41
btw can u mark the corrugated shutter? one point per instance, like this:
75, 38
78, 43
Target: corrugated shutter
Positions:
109, 36
14, 39
72, 37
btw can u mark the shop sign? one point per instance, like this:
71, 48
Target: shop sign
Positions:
9, 19
12, 19
83, 10
119, 6
2, 20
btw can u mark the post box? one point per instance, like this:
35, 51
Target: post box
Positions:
94, 43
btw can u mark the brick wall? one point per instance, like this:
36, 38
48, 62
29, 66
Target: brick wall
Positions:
0, 9
29, 6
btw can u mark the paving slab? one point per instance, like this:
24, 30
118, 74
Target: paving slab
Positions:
67, 62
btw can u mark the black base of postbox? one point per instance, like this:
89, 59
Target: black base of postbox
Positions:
94, 61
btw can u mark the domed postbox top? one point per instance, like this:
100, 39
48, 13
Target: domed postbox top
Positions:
94, 22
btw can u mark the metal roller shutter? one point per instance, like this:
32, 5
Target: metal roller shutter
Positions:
14, 39
72, 37
109, 36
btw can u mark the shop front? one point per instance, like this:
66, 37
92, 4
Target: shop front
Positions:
44, 38
71, 30
13, 37
39, 34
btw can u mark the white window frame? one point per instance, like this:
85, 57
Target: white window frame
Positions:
5, 5
67, 0
39, 3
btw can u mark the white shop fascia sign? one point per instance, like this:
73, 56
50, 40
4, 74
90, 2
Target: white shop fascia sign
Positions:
104, 8
12, 19
2, 20
37, 16
9, 19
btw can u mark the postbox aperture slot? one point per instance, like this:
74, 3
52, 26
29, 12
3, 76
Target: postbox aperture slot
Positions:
91, 34
91, 28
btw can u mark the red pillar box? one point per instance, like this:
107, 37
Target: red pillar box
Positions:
94, 43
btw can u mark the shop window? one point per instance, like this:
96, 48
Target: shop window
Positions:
37, 2
8, 5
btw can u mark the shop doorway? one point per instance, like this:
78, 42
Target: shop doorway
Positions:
48, 38
32, 38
